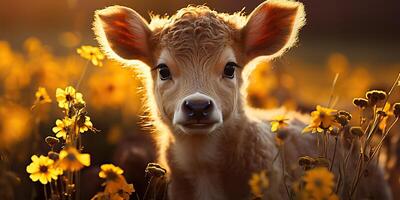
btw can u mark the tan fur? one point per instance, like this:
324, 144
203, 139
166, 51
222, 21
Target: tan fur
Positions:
196, 43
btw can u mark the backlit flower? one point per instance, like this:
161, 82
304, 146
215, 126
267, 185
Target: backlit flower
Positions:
123, 192
71, 160
259, 183
319, 182
107, 88
15, 124
110, 172
42, 169
68, 97
93, 54
42, 96
62, 127
279, 122
322, 119
84, 123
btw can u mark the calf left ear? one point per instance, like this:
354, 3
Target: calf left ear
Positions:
272, 28
123, 34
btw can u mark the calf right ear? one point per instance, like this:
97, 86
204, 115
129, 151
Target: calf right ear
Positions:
123, 34
272, 28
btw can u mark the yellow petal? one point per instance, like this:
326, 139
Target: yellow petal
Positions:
84, 159
94, 61
34, 177
32, 168
43, 179
34, 158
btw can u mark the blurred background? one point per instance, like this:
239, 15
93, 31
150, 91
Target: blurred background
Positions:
38, 41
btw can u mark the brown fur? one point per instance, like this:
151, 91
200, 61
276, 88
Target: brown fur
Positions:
196, 43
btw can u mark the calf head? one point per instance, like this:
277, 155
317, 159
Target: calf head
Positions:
196, 57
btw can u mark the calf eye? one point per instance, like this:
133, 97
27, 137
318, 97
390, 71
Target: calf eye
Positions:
229, 71
164, 72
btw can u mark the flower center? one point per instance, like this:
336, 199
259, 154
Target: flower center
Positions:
68, 97
43, 169
110, 88
71, 157
322, 115
111, 176
318, 183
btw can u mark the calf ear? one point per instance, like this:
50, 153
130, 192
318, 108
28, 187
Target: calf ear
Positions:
272, 28
123, 34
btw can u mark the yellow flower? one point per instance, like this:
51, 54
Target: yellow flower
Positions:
321, 119
258, 183
68, 97
122, 190
71, 160
15, 124
62, 127
92, 54
114, 179
108, 87
123, 194
84, 123
42, 96
319, 182
278, 122
42, 169
110, 172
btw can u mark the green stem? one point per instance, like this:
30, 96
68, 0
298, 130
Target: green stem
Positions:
334, 154
346, 159
333, 90
284, 170
325, 145
45, 192
373, 154
147, 188
82, 75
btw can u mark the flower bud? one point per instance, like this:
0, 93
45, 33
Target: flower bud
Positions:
154, 169
375, 96
343, 117
396, 110
360, 102
306, 161
51, 141
356, 131
53, 155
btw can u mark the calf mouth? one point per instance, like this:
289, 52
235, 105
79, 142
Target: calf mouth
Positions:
198, 127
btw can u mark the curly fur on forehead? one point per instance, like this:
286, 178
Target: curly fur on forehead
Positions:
196, 30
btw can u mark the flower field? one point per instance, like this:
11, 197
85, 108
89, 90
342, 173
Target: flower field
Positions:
73, 124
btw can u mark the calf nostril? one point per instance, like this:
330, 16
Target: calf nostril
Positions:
207, 105
197, 108
188, 108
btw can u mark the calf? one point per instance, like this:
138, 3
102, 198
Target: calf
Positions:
196, 64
